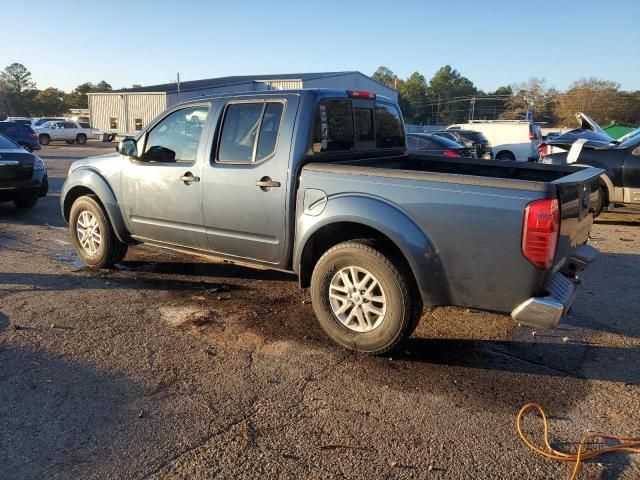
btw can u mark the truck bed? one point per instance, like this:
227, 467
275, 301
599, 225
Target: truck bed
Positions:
470, 210
467, 171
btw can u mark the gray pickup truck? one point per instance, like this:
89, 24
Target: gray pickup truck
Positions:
319, 183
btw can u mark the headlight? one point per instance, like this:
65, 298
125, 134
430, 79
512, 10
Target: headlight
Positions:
38, 163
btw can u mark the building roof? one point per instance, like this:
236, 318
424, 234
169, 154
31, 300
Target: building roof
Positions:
228, 81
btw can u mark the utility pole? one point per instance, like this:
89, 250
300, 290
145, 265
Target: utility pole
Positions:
438, 114
178, 82
473, 108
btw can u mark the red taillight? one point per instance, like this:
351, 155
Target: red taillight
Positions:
32, 135
361, 94
450, 153
543, 150
540, 232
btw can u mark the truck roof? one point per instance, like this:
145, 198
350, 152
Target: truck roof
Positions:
318, 92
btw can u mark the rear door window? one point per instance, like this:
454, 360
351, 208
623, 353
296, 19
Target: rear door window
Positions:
250, 131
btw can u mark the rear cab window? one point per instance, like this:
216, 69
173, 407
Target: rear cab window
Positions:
345, 125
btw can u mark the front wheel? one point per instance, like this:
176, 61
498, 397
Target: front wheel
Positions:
364, 297
81, 138
601, 204
44, 139
92, 234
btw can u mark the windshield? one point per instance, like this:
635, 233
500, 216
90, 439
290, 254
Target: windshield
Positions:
6, 144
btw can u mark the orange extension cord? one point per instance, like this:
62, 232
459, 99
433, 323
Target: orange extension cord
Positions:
632, 443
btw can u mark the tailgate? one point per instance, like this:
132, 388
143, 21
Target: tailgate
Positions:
576, 193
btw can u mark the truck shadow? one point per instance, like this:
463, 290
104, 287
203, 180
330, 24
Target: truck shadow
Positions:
550, 359
59, 418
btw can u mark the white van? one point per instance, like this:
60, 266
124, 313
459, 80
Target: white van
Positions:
510, 139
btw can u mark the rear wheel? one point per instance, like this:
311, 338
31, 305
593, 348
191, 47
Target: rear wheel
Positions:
506, 156
25, 203
44, 139
364, 297
26, 146
92, 234
81, 138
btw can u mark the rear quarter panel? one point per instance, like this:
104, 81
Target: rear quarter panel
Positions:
474, 232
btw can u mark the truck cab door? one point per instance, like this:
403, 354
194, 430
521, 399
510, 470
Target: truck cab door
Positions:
246, 181
161, 187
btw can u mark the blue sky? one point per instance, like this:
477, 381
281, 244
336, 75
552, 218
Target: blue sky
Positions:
65, 43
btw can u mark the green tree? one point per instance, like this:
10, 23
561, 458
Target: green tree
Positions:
15, 82
50, 101
78, 97
450, 93
386, 76
414, 93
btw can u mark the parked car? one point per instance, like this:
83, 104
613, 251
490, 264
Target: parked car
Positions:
438, 146
38, 122
318, 183
470, 139
70, 132
23, 176
510, 139
620, 160
22, 134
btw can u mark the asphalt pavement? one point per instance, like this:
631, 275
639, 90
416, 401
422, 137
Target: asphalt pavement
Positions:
179, 367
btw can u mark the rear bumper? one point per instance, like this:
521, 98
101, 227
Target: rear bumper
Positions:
547, 311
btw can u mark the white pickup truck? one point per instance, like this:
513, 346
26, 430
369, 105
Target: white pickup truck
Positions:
68, 131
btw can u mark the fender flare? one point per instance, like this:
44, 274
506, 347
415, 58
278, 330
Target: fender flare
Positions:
376, 213
86, 178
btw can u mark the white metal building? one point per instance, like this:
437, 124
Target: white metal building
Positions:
129, 110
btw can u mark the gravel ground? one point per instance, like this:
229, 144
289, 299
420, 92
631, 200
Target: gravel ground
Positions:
180, 367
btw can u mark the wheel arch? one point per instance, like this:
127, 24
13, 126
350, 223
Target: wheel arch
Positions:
89, 182
352, 217
505, 152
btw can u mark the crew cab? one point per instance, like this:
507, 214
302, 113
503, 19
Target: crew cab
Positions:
70, 132
319, 183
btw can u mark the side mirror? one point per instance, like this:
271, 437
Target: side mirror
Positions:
128, 147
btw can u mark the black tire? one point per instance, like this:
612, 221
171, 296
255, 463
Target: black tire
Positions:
506, 156
25, 203
111, 250
27, 147
44, 139
70, 142
403, 307
602, 202
81, 138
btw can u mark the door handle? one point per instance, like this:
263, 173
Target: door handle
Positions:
266, 183
188, 178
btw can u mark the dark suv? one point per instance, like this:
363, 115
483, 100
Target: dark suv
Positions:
470, 139
22, 134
